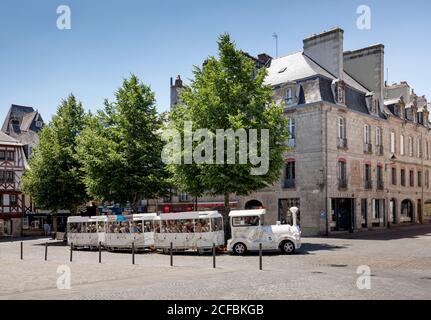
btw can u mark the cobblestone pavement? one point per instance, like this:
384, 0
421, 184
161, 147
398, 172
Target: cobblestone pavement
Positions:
324, 268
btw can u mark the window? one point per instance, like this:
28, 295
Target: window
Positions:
402, 145
13, 200
1, 199
292, 132
367, 134
394, 176
289, 95
341, 128
183, 196
39, 124
403, 177
410, 147
379, 137
412, 178
2, 155
10, 156
252, 221
289, 181
342, 174
392, 142
7, 176
419, 178
419, 148
427, 150
367, 176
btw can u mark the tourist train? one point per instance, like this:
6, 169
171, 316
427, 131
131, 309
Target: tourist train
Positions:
200, 231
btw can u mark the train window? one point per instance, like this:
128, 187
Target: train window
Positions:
101, 226
148, 226
178, 226
202, 225
251, 221
91, 227
136, 227
74, 227
217, 224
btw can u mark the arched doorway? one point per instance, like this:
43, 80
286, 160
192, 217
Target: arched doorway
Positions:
253, 204
427, 212
406, 211
393, 211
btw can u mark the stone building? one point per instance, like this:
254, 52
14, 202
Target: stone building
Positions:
360, 148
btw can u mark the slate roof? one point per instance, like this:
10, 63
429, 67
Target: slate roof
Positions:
5, 139
298, 66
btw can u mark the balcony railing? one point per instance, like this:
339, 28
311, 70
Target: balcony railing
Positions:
368, 184
289, 184
380, 185
368, 148
379, 150
342, 183
342, 143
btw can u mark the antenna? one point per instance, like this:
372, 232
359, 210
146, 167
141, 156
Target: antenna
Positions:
275, 36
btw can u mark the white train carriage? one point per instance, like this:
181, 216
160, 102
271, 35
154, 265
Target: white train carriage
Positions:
123, 231
189, 230
86, 232
249, 230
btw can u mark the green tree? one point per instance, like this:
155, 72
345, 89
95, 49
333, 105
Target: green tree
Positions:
120, 148
53, 179
229, 92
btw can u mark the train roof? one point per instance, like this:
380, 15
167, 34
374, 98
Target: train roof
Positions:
247, 213
190, 215
86, 219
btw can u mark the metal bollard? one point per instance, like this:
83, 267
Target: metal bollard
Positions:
71, 251
100, 252
46, 251
214, 256
172, 255
22, 251
260, 256
133, 253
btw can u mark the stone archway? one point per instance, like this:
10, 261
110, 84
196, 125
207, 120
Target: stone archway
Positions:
253, 204
407, 211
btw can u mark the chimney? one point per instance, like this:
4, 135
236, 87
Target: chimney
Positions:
264, 58
326, 49
368, 68
175, 90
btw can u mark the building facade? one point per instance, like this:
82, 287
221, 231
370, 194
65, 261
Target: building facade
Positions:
359, 153
12, 202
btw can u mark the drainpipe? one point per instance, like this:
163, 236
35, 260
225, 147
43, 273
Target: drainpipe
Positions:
326, 172
422, 180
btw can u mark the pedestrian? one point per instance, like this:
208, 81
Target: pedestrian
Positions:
46, 228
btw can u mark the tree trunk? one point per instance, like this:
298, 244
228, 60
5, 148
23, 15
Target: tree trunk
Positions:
195, 204
227, 231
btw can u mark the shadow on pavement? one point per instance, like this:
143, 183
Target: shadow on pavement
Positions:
394, 233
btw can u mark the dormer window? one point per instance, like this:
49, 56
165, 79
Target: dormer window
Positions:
341, 99
290, 95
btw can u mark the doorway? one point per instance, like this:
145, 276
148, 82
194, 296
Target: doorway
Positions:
344, 214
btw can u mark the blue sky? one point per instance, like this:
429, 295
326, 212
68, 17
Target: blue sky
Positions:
158, 39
